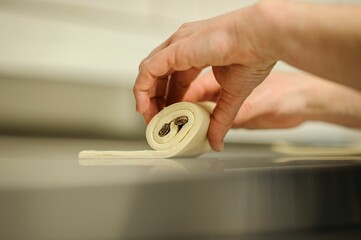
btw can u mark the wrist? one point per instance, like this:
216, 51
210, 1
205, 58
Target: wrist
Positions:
254, 30
270, 17
322, 39
334, 103
344, 106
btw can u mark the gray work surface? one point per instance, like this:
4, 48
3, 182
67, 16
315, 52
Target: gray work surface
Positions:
245, 192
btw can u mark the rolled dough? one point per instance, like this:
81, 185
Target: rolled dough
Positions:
188, 141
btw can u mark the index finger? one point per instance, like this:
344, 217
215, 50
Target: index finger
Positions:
161, 64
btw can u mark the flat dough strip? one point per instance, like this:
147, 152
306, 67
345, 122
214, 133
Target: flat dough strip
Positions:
290, 149
189, 141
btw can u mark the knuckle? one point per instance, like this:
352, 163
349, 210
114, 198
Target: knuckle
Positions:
135, 89
184, 25
143, 66
181, 32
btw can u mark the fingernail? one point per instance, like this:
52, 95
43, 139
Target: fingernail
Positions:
221, 147
218, 147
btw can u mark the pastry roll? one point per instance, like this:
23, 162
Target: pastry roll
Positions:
179, 130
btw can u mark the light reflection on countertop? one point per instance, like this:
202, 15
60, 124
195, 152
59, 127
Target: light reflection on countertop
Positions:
158, 165
246, 190
36, 162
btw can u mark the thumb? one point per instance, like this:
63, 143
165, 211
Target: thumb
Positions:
232, 96
222, 118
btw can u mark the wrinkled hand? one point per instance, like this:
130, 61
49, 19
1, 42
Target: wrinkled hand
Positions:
281, 101
286, 100
231, 44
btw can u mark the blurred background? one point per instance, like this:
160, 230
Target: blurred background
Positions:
67, 67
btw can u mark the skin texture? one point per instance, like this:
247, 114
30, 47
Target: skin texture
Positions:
286, 100
242, 47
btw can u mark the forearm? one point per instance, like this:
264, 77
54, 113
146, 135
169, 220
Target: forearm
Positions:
331, 102
324, 40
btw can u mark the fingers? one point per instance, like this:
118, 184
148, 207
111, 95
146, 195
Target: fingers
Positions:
180, 53
160, 47
151, 80
161, 91
204, 88
141, 88
259, 103
222, 118
150, 70
182, 56
231, 99
179, 84
182, 32
145, 81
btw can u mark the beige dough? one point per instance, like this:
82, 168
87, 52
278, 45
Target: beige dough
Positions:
290, 149
188, 141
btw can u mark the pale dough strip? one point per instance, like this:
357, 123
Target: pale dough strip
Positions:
293, 149
190, 140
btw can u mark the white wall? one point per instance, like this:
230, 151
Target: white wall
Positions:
99, 41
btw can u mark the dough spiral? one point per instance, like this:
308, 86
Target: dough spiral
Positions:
185, 140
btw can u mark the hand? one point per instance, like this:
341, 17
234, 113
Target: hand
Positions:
231, 44
242, 47
287, 100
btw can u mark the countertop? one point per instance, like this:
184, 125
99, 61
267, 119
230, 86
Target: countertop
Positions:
250, 191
